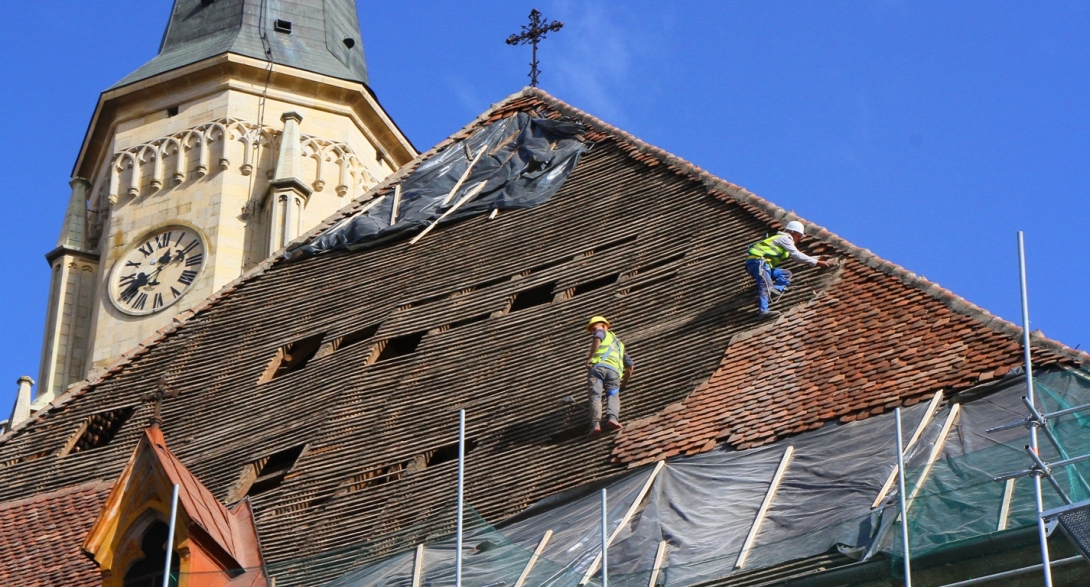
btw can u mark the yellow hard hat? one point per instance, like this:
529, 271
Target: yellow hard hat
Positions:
596, 319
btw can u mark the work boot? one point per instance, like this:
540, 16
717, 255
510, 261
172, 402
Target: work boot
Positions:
595, 430
768, 315
612, 424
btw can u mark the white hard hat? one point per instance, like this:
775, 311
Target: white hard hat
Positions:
795, 226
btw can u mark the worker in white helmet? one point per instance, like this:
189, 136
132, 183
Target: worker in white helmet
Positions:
764, 258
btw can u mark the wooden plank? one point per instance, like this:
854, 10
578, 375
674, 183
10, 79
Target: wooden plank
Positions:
935, 452
624, 521
659, 556
927, 416
469, 195
462, 179
1005, 506
397, 204
533, 558
769, 496
418, 566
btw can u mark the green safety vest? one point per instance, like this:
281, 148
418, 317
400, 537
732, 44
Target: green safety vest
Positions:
769, 251
610, 353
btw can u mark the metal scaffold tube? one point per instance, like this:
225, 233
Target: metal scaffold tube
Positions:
605, 542
170, 535
901, 498
1042, 532
461, 496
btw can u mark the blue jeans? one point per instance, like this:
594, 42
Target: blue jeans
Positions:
767, 277
604, 381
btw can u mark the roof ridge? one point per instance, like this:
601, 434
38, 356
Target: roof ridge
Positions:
745, 197
715, 185
67, 489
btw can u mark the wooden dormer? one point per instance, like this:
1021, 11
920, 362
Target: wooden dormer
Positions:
214, 546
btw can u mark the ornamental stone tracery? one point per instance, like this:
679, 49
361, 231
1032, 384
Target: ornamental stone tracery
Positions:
174, 158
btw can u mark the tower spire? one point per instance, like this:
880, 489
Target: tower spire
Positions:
321, 36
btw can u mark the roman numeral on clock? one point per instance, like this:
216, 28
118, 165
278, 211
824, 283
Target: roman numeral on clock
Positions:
140, 301
190, 246
194, 260
147, 249
157, 302
163, 240
175, 292
187, 277
131, 264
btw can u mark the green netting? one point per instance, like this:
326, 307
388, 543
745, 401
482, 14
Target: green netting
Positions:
959, 501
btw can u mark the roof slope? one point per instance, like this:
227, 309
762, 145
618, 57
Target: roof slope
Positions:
376, 433
40, 544
198, 30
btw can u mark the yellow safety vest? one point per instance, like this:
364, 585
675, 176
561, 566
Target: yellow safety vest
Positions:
610, 353
768, 250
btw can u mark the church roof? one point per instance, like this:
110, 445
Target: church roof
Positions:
321, 36
40, 544
370, 440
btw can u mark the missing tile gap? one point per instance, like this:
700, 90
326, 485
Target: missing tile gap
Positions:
590, 286
97, 430
535, 296
398, 346
292, 357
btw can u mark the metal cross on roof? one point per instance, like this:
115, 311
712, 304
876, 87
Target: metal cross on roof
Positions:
162, 389
532, 34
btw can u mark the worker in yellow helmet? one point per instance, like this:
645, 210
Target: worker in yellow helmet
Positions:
764, 257
610, 367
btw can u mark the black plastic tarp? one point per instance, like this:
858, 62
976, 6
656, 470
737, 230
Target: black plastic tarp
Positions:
703, 506
526, 160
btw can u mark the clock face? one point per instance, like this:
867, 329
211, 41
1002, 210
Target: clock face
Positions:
157, 271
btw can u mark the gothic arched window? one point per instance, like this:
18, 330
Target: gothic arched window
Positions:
148, 571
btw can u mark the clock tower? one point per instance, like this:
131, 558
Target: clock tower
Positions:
253, 123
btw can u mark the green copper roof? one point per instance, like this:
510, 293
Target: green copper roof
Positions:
324, 36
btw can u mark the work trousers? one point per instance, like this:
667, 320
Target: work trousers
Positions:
767, 278
603, 380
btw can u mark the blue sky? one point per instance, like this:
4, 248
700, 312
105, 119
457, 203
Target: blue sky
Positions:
927, 132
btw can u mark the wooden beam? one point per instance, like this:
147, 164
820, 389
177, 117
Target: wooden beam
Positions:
624, 521
660, 555
418, 566
927, 416
397, 204
469, 195
769, 495
1005, 506
935, 452
462, 179
533, 558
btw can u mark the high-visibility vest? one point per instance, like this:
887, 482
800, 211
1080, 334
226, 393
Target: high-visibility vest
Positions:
769, 251
610, 353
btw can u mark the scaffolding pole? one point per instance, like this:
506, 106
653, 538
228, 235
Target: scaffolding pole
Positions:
170, 534
605, 542
461, 495
901, 497
1042, 532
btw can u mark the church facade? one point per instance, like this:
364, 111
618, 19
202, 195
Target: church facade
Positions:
252, 124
